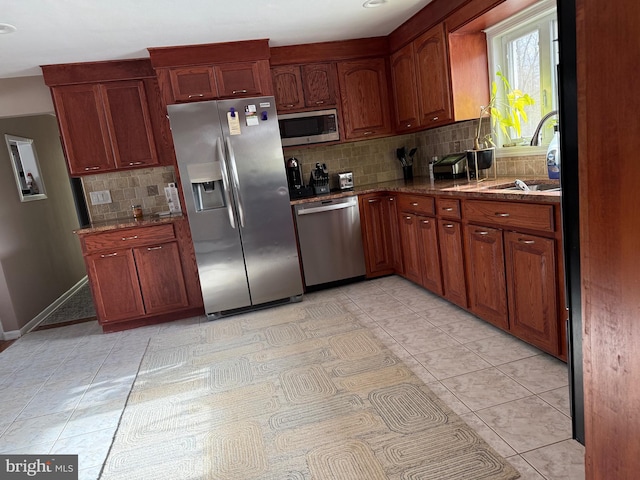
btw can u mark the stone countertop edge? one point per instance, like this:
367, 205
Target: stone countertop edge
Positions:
118, 223
486, 189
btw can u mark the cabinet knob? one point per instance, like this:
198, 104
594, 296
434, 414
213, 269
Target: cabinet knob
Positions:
414, 204
499, 214
291, 105
526, 242
435, 119
320, 102
196, 95
235, 92
367, 133
448, 209
481, 232
408, 125
448, 225
426, 222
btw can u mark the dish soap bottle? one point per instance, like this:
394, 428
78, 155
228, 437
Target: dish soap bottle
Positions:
553, 155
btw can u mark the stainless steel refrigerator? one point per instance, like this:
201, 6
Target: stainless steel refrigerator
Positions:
235, 188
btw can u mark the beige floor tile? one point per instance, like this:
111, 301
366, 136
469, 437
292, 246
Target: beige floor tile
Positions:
491, 437
361, 289
527, 472
470, 329
502, 348
559, 461
425, 340
451, 362
382, 306
449, 398
558, 398
527, 423
540, 373
405, 324
91, 448
445, 314
485, 388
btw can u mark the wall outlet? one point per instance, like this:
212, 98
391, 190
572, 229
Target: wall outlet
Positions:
100, 197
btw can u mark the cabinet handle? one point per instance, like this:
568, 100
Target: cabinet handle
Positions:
414, 204
320, 102
391, 199
235, 92
154, 248
526, 242
498, 214
368, 133
481, 232
130, 238
196, 95
407, 218
291, 105
435, 119
373, 200
448, 209
408, 125
91, 168
426, 222
448, 225
104, 255
136, 163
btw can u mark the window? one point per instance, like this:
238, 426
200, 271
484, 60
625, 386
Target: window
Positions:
525, 49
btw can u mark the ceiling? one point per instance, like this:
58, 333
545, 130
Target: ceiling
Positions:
68, 31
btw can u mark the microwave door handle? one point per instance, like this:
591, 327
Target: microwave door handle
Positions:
225, 182
235, 181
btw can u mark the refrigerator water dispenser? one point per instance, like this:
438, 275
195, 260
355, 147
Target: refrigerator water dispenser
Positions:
206, 185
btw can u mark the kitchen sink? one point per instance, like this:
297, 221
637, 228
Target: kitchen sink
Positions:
534, 187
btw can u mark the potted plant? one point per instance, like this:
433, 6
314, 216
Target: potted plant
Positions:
508, 116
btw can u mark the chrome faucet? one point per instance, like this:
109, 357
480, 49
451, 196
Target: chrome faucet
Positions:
535, 140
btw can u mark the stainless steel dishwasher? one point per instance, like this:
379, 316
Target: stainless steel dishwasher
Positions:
330, 240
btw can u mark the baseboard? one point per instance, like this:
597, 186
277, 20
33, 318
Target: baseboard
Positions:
47, 311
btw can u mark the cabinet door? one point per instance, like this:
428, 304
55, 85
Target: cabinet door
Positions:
129, 121
365, 100
190, 84
161, 278
240, 79
394, 234
287, 85
83, 127
434, 89
532, 289
319, 84
410, 247
429, 254
487, 286
452, 259
405, 89
377, 235
114, 281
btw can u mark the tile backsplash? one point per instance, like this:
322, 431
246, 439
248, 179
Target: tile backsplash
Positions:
371, 161
143, 187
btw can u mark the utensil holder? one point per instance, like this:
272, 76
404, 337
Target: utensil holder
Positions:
407, 171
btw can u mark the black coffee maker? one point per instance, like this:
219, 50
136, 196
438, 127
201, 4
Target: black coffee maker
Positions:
297, 188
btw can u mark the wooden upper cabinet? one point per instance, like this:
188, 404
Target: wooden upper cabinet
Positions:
193, 83
287, 86
405, 89
319, 85
304, 87
83, 128
193, 73
105, 126
365, 98
432, 67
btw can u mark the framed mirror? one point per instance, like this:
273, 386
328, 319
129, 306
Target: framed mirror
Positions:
26, 168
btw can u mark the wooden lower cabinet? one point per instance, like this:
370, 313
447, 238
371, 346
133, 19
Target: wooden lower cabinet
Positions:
532, 287
486, 274
452, 259
430, 254
139, 276
411, 258
380, 234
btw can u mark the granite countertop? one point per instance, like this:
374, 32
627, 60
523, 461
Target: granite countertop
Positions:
127, 222
486, 189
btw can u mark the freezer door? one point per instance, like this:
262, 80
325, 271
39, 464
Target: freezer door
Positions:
199, 147
254, 151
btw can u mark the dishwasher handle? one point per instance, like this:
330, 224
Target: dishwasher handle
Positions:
327, 208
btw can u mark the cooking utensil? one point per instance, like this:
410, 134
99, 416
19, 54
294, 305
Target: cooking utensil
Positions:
402, 156
412, 152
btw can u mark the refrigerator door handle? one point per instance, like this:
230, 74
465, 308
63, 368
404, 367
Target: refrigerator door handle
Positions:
225, 183
236, 181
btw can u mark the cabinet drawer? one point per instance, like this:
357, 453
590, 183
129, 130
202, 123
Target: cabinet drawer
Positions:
448, 207
127, 237
417, 204
517, 215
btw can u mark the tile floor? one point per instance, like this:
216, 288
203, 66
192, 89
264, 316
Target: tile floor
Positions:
64, 389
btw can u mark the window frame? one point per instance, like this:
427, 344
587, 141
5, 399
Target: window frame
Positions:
497, 36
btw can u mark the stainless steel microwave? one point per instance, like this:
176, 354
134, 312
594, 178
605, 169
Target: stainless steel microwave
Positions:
305, 128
